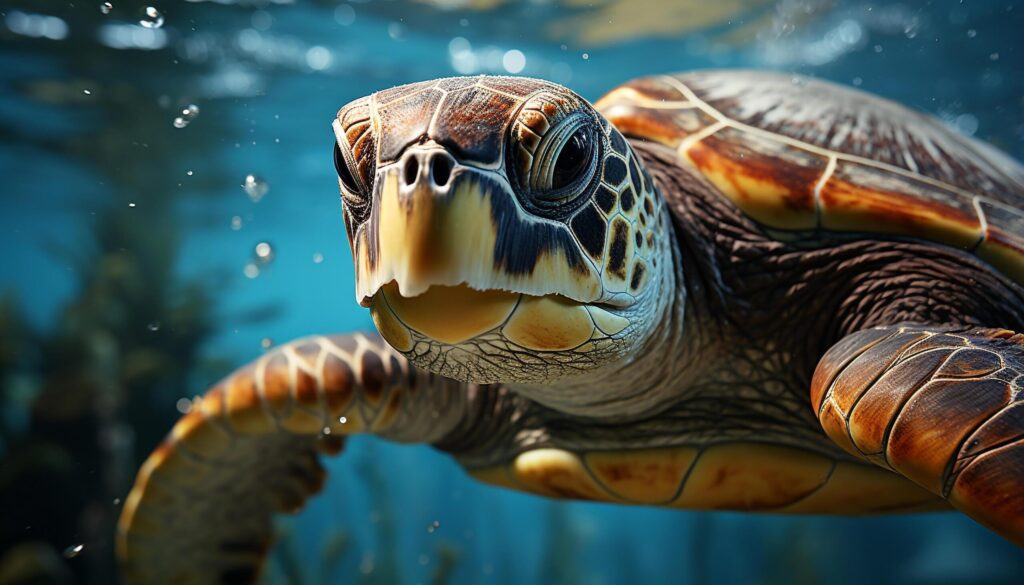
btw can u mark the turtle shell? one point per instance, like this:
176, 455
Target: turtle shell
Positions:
801, 155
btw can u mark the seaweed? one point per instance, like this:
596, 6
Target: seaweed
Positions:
448, 557
381, 567
287, 567
792, 557
100, 382
559, 563
86, 398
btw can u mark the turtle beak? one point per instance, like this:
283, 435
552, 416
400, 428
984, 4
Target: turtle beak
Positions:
436, 222
429, 224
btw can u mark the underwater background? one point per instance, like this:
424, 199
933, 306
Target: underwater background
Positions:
169, 208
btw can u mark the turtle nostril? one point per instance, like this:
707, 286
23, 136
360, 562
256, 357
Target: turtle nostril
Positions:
441, 170
411, 170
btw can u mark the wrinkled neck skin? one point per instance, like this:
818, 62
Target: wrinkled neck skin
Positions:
642, 381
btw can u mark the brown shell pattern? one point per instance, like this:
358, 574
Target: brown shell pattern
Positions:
802, 155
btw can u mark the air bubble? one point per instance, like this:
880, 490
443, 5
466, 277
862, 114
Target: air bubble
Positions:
433, 527
188, 114
151, 18
318, 58
966, 124
255, 187
236, 222
266, 343
106, 7
263, 253
261, 20
251, 270
73, 551
342, 419
344, 15
153, 326
513, 61
183, 405
318, 258
326, 430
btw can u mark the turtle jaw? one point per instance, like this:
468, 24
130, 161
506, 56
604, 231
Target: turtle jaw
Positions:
463, 317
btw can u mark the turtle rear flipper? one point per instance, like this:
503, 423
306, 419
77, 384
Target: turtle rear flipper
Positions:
942, 406
202, 506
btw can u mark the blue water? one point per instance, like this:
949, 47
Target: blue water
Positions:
268, 78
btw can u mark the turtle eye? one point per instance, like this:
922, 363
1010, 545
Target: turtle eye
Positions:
553, 166
350, 187
344, 173
573, 160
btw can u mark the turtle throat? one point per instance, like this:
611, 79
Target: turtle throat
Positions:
595, 359
640, 377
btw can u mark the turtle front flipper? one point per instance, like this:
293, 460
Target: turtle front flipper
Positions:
942, 406
202, 505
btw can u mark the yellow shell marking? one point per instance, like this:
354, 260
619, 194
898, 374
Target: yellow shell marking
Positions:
855, 488
772, 182
731, 476
861, 198
554, 472
1004, 238
651, 476
1004, 255
745, 476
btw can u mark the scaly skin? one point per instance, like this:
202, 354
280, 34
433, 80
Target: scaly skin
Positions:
762, 312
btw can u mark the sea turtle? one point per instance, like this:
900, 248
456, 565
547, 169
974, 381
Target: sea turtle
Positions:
715, 290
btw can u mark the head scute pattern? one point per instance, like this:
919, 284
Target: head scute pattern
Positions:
541, 198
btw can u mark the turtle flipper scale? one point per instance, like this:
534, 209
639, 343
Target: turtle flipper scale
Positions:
942, 406
202, 505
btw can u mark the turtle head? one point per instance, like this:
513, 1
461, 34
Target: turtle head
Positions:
501, 228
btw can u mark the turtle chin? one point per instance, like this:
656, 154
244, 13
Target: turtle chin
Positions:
489, 336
